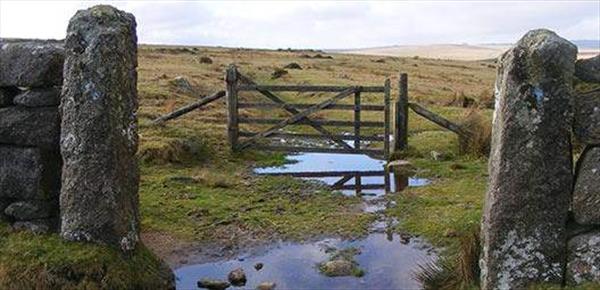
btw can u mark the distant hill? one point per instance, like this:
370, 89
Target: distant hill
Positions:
587, 44
587, 48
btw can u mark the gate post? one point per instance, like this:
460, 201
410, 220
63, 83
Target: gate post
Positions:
401, 115
386, 99
231, 79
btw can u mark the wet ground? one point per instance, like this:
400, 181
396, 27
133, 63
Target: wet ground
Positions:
388, 259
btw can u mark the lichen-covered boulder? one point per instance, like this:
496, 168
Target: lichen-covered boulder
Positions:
588, 69
39, 97
31, 63
583, 264
38, 127
530, 168
586, 124
586, 193
99, 195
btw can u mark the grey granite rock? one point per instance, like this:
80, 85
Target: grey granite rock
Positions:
31, 64
38, 127
583, 264
31, 210
586, 193
588, 69
530, 167
99, 195
39, 97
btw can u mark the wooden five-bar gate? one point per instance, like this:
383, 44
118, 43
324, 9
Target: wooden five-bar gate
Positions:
236, 83
301, 114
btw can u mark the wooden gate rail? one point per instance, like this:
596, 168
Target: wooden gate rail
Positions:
286, 107
440, 121
193, 106
297, 117
237, 82
316, 136
307, 88
305, 106
339, 123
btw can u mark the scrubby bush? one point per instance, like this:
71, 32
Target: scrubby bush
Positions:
478, 129
166, 151
205, 60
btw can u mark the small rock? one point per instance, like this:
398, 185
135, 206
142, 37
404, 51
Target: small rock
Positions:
182, 84
293, 65
258, 266
42, 226
437, 156
237, 277
266, 286
404, 238
39, 97
29, 210
337, 268
213, 284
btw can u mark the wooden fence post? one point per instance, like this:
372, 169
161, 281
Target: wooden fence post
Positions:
231, 80
357, 120
401, 115
386, 99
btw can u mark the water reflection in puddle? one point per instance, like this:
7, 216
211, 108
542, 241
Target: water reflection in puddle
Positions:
389, 260
388, 265
346, 169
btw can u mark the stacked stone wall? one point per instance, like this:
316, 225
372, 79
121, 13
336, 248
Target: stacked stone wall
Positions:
30, 161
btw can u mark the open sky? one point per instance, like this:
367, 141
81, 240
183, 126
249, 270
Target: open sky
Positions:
317, 24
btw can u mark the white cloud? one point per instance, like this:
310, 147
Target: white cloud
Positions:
317, 24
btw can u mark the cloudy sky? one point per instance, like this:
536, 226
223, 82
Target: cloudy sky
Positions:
317, 24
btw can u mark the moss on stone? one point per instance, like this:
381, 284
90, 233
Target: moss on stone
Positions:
29, 261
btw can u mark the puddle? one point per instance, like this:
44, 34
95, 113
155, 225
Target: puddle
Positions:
331, 168
388, 265
388, 259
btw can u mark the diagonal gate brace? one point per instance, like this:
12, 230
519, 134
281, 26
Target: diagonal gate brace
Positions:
293, 110
297, 117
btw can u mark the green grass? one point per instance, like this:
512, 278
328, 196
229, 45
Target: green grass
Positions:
29, 261
200, 204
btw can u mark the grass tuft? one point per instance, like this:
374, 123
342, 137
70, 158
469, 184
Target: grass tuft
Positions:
479, 129
460, 271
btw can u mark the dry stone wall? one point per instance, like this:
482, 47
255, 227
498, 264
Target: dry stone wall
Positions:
30, 162
541, 221
67, 147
